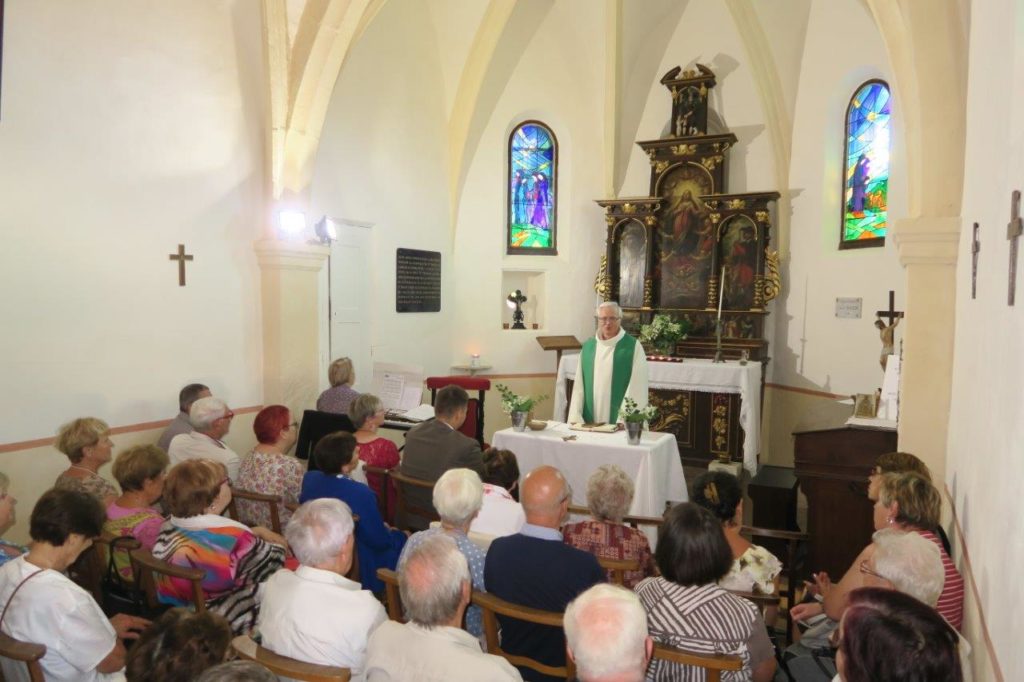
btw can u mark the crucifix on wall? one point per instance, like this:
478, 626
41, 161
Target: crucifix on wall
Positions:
888, 331
181, 257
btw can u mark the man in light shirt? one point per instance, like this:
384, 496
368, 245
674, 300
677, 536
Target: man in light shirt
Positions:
315, 614
211, 419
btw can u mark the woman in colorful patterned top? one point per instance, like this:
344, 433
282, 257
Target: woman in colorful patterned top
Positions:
269, 469
340, 395
8, 550
140, 472
754, 568
609, 495
86, 442
236, 558
367, 415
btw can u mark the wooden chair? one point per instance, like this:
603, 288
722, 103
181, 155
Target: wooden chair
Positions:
145, 565
247, 648
792, 567
272, 501
714, 664
392, 594
382, 499
404, 507
619, 568
630, 520
493, 606
24, 652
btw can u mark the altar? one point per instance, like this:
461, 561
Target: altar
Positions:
693, 375
653, 465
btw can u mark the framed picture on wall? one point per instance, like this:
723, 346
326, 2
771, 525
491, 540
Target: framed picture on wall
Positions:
865, 405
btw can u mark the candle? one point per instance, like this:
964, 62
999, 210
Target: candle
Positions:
474, 359
721, 292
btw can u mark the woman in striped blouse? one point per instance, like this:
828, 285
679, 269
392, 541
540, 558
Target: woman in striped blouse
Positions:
686, 608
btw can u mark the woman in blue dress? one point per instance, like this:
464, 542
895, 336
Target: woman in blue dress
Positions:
377, 545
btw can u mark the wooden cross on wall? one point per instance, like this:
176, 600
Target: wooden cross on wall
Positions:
891, 314
181, 257
1013, 231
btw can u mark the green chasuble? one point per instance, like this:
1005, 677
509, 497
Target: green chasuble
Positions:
622, 371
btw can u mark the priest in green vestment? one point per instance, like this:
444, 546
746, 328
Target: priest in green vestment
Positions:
612, 367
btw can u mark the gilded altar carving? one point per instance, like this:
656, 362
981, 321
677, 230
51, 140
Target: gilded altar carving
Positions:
674, 413
651, 220
611, 220
683, 149
602, 282
648, 292
628, 208
660, 166
737, 203
771, 285
711, 162
761, 216
720, 424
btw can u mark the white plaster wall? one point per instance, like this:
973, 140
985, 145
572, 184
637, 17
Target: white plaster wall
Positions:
559, 80
984, 467
128, 127
813, 349
383, 160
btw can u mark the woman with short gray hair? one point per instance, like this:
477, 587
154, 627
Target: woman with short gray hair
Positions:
367, 415
609, 496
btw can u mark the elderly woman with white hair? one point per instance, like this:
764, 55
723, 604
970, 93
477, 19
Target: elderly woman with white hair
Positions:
609, 496
458, 495
606, 635
321, 536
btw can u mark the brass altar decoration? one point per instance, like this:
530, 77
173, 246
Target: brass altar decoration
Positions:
689, 245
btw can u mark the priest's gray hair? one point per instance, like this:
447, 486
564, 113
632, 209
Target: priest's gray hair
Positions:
610, 304
458, 496
606, 630
318, 530
609, 493
205, 411
430, 580
911, 562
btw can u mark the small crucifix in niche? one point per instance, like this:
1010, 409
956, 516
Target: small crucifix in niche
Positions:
181, 257
887, 332
975, 250
1013, 231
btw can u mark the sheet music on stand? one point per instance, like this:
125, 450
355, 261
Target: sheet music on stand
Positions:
399, 387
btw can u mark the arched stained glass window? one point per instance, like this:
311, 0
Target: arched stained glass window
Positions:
866, 180
532, 189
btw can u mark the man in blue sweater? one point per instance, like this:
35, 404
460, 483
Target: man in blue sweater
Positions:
535, 568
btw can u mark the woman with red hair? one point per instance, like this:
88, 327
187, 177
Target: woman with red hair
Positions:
269, 469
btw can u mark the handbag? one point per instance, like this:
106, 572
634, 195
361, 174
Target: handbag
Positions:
119, 594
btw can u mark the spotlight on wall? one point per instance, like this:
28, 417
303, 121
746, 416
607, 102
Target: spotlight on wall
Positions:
326, 230
292, 222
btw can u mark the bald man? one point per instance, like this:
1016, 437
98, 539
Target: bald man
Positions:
536, 568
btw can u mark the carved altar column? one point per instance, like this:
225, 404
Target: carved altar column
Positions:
291, 305
928, 250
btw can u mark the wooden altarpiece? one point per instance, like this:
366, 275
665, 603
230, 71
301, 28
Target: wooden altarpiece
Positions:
666, 253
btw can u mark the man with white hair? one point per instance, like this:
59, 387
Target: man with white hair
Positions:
458, 495
211, 419
316, 614
606, 635
612, 367
433, 579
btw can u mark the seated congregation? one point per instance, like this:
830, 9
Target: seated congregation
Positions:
315, 568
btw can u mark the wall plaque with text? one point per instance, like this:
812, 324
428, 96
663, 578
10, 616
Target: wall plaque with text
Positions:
418, 281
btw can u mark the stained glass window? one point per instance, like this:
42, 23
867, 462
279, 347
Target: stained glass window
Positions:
532, 178
866, 180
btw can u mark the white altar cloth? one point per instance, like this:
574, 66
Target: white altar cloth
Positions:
695, 375
653, 465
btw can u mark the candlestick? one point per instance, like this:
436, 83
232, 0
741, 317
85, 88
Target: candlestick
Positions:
721, 292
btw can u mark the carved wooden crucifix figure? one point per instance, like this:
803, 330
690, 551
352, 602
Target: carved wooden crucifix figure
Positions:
181, 257
1013, 231
975, 249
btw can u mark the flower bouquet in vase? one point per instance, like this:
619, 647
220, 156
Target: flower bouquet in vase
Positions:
634, 418
663, 333
518, 407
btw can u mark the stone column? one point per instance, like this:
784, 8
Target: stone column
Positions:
927, 248
291, 307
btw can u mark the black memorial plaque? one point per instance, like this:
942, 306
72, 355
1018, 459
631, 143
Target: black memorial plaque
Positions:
418, 281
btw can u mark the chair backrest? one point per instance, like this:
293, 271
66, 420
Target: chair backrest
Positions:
493, 606
405, 508
474, 424
146, 566
619, 568
792, 566
272, 501
316, 425
24, 652
247, 648
391, 594
382, 499
714, 664
631, 520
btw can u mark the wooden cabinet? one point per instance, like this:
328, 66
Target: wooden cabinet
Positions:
832, 466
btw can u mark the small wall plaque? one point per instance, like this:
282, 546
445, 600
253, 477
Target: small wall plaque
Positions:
849, 308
